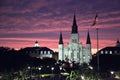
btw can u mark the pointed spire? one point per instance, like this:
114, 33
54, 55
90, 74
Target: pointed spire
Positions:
88, 38
60, 39
74, 26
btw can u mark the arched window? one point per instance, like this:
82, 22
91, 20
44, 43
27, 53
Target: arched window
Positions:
48, 52
101, 52
115, 51
44, 52
106, 52
41, 52
110, 52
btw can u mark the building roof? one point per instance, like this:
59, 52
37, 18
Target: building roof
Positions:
110, 50
36, 48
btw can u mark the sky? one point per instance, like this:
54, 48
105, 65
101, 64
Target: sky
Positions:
22, 22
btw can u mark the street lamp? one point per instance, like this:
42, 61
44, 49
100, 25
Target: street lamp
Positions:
30, 72
39, 68
39, 72
60, 68
52, 69
60, 73
82, 77
90, 67
112, 73
28, 67
52, 72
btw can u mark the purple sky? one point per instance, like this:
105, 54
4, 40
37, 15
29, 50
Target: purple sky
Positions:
22, 22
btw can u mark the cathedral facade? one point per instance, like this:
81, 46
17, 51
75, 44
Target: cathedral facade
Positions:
75, 51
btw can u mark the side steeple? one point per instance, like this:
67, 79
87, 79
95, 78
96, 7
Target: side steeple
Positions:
74, 26
88, 38
61, 48
88, 48
60, 39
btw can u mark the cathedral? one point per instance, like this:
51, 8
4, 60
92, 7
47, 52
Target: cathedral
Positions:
75, 51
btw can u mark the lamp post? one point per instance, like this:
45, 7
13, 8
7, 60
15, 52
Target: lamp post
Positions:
82, 77
39, 72
112, 73
52, 71
60, 73
29, 68
60, 68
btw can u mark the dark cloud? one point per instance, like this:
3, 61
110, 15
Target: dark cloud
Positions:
45, 18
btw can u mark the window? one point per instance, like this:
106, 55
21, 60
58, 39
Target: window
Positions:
68, 48
34, 51
41, 52
106, 52
101, 52
110, 52
37, 52
44, 52
88, 56
83, 56
115, 52
48, 52
27, 52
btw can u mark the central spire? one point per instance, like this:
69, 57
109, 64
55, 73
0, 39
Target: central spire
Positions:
74, 26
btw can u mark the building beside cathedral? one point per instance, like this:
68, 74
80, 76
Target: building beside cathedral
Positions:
75, 50
39, 52
110, 50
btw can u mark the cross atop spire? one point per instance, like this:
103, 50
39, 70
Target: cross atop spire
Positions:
60, 39
88, 38
74, 26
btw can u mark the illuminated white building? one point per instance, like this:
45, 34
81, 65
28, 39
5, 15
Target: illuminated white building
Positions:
38, 52
75, 51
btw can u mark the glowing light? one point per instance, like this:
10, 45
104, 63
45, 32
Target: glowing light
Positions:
82, 77
112, 72
39, 68
52, 68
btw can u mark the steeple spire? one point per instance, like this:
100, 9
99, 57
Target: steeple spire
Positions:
60, 39
74, 26
88, 38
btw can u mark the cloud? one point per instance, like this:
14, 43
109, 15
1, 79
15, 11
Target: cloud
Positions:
24, 21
